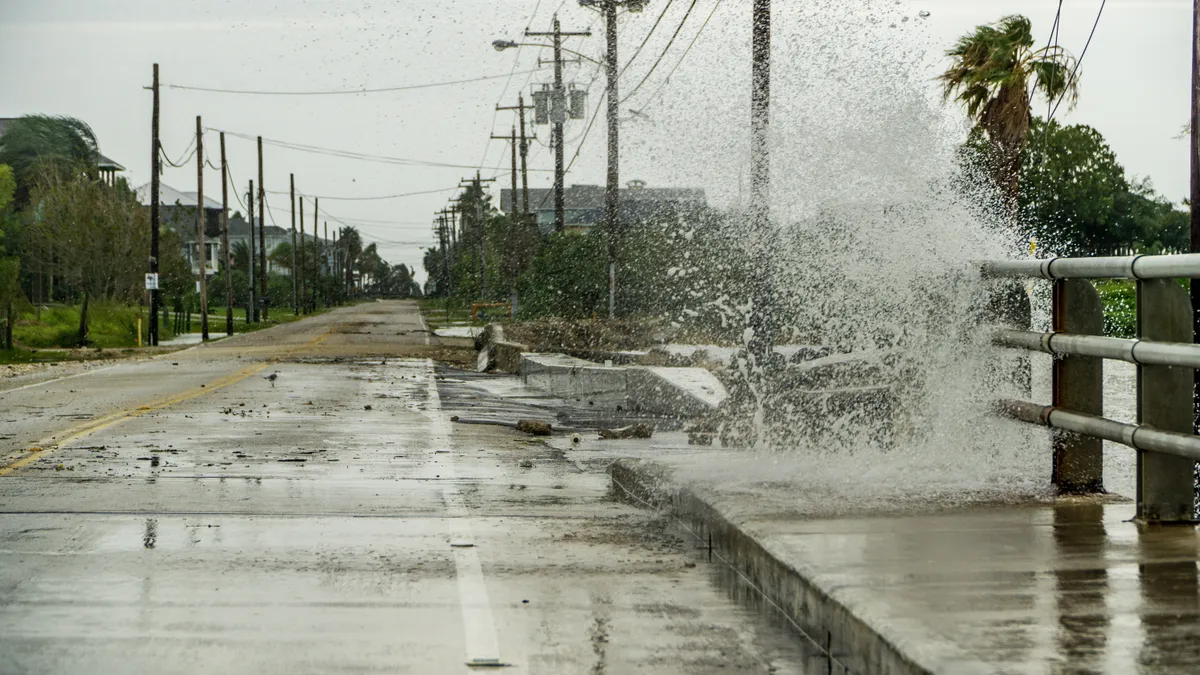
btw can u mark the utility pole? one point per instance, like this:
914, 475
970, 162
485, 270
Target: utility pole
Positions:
762, 322
201, 221
295, 274
454, 224
514, 231
520, 107
480, 230
558, 116
1195, 161
262, 236
225, 241
155, 169
612, 201
316, 278
252, 310
300, 267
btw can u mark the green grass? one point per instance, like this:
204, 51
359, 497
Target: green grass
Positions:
110, 326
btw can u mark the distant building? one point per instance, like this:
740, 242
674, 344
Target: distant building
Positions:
583, 205
108, 168
177, 211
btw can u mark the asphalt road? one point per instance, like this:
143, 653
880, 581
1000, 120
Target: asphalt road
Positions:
182, 514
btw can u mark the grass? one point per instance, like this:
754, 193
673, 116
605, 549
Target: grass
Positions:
110, 326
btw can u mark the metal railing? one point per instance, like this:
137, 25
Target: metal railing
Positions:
1165, 357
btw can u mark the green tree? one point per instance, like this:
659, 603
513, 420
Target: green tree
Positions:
37, 142
995, 73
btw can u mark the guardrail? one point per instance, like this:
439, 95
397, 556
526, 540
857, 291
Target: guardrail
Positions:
1164, 436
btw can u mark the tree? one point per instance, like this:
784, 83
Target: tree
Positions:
991, 74
1077, 199
37, 142
350, 242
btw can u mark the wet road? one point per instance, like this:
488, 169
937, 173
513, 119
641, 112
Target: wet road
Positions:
182, 515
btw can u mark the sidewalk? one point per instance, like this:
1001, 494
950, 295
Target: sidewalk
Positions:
1029, 586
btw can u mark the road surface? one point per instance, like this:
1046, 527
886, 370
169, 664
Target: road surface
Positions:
183, 514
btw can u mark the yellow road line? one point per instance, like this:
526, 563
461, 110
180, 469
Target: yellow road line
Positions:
92, 426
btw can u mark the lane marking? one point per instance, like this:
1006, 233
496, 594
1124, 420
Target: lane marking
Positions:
90, 427
479, 626
59, 379
424, 326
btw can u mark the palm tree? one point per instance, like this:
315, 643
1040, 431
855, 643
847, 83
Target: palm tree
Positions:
36, 142
991, 75
351, 243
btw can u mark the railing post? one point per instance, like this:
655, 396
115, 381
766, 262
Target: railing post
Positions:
1079, 386
1164, 482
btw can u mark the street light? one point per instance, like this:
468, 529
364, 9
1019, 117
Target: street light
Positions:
501, 45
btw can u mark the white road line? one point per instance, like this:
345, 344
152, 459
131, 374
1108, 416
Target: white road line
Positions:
59, 379
425, 327
479, 627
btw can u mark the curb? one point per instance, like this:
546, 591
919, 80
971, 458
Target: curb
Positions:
850, 642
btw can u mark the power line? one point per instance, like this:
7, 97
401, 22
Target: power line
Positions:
695, 37
338, 92
363, 199
647, 38
350, 154
664, 52
1079, 61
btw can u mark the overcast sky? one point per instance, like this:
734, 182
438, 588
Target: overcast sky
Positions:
92, 59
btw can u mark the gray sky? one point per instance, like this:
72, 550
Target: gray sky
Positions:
92, 58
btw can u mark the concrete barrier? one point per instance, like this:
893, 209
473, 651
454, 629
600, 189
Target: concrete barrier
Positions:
687, 392
848, 639
568, 377
679, 392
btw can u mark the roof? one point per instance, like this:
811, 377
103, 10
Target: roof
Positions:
169, 196
103, 162
589, 197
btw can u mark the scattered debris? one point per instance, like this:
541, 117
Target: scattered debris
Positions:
525, 464
366, 407
154, 461
640, 430
293, 459
533, 427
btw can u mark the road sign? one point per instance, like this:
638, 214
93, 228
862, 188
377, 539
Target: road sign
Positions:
152, 281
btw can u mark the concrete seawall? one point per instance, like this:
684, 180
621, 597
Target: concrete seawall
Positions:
679, 392
850, 641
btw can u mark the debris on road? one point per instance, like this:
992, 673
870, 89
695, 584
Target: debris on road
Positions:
525, 464
631, 431
533, 427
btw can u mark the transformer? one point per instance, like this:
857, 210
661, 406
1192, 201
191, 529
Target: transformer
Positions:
541, 106
578, 107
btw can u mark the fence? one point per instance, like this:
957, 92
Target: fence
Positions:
1167, 449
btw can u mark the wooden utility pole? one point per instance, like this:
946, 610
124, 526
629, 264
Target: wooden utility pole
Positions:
316, 277
262, 236
300, 266
155, 169
225, 241
520, 108
761, 320
558, 117
1194, 154
201, 221
252, 310
612, 190
480, 230
295, 274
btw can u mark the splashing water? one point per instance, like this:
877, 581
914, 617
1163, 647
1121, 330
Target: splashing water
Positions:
878, 244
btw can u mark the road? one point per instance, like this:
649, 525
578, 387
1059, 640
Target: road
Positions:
183, 514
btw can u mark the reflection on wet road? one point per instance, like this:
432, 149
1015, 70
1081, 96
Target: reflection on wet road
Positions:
333, 522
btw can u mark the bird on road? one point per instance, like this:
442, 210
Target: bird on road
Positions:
271, 378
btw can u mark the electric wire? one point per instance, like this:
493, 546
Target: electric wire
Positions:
653, 97
663, 54
367, 199
1079, 61
337, 92
350, 154
646, 39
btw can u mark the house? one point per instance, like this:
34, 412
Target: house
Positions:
108, 168
177, 211
583, 205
